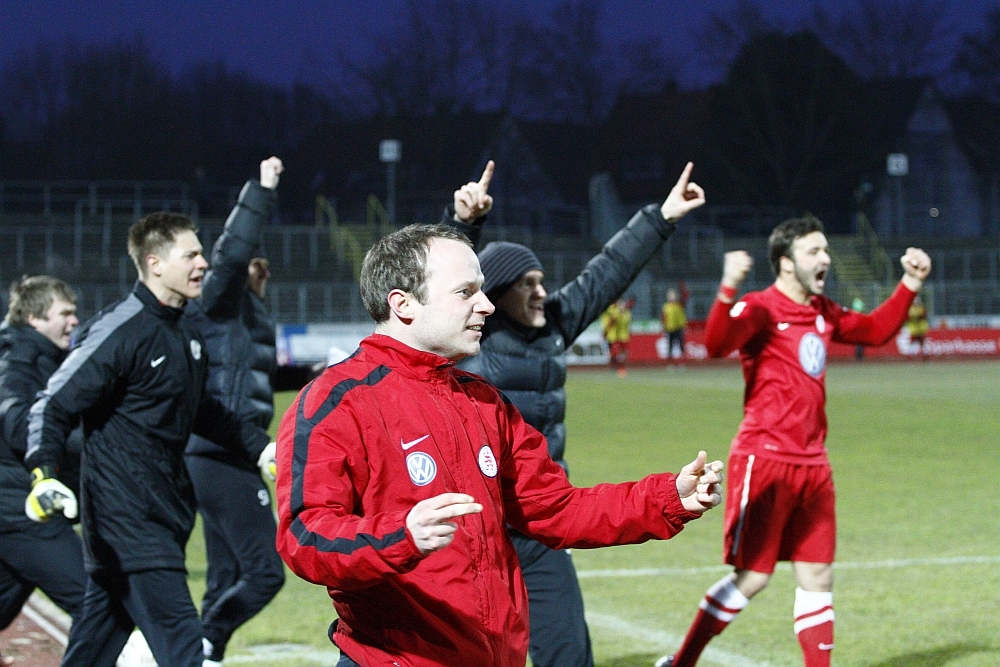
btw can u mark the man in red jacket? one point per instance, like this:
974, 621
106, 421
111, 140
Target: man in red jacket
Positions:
780, 505
398, 474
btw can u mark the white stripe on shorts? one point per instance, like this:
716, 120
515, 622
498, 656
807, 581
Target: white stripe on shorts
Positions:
744, 500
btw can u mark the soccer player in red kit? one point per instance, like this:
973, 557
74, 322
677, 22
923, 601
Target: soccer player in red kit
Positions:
780, 502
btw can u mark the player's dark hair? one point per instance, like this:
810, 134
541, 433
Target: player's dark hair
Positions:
780, 243
33, 295
399, 261
154, 235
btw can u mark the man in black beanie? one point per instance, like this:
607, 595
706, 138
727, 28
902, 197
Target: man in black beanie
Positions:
523, 353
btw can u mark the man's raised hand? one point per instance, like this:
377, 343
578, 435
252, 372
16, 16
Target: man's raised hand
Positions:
684, 197
916, 265
270, 170
735, 267
700, 485
472, 200
429, 520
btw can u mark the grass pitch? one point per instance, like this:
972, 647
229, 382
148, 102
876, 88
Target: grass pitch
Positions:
914, 452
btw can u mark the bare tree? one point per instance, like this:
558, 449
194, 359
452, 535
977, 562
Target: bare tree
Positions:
648, 67
882, 39
979, 59
723, 37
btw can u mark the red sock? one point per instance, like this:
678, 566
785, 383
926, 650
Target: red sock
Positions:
814, 626
717, 610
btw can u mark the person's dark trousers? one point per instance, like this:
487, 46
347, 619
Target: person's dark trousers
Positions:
52, 562
158, 601
244, 569
559, 635
675, 337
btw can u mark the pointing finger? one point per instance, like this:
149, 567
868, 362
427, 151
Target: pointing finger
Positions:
682, 182
487, 175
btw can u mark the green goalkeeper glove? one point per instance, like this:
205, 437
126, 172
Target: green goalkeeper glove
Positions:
48, 496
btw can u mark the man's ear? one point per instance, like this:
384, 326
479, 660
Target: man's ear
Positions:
152, 264
786, 264
401, 305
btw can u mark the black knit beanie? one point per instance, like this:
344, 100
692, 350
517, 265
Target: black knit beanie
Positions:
503, 264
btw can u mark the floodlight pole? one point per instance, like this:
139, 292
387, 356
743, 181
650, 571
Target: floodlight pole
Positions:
389, 152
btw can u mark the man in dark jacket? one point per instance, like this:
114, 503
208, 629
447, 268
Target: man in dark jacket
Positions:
244, 569
136, 377
524, 354
33, 342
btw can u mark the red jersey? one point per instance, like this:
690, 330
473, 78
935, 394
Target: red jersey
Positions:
783, 348
391, 426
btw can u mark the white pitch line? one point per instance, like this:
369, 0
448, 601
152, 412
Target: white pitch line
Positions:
861, 565
44, 624
664, 641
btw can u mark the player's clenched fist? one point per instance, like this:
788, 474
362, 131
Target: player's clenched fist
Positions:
429, 522
916, 265
735, 267
699, 484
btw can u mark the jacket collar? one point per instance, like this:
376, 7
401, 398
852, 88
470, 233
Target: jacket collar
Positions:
149, 300
400, 357
29, 345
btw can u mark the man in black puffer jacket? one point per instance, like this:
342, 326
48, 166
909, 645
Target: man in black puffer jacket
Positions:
33, 342
523, 353
244, 569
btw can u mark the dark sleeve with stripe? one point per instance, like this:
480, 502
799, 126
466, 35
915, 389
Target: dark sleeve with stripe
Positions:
232, 252
326, 535
91, 372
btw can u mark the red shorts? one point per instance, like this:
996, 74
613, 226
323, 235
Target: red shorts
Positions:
778, 511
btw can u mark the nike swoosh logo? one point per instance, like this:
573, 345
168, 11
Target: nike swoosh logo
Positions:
825, 647
156, 362
411, 443
783, 325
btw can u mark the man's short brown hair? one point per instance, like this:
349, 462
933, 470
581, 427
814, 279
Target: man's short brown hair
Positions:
154, 235
780, 243
33, 295
399, 261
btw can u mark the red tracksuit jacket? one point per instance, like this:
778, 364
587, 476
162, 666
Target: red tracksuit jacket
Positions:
391, 426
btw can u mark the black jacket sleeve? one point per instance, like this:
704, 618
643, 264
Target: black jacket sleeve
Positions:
18, 391
472, 231
219, 424
232, 252
608, 275
91, 372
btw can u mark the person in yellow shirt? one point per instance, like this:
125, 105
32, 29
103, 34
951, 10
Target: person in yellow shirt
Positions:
916, 323
674, 322
616, 323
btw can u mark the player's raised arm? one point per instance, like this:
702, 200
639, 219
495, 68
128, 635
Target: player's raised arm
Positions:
729, 324
880, 325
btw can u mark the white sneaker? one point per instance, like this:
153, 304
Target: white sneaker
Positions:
665, 661
136, 652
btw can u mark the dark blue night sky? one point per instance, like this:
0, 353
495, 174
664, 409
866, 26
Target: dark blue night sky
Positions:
288, 40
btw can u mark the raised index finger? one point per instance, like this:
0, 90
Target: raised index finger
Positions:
682, 182
487, 175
